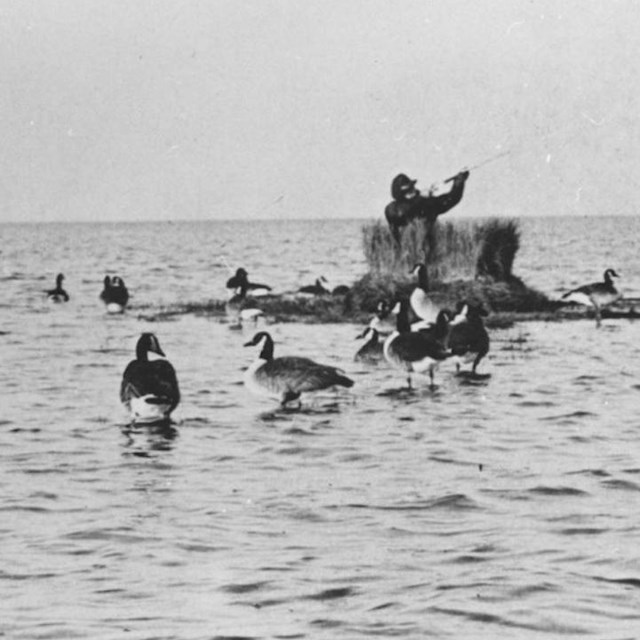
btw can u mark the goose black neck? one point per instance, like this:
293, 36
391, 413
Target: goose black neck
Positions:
142, 351
267, 348
402, 322
423, 281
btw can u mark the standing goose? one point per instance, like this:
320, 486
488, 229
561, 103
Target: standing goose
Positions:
417, 351
422, 305
285, 378
468, 338
58, 294
370, 351
115, 294
597, 294
149, 388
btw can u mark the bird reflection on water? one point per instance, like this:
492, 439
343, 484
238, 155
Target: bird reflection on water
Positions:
143, 439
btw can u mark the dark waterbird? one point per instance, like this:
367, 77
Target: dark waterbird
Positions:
597, 294
241, 281
115, 294
316, 289
286, 378
149, 388
58, 294
417, 351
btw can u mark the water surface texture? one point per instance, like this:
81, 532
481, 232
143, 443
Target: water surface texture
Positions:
500, 508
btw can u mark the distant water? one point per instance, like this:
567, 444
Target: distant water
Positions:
504, 508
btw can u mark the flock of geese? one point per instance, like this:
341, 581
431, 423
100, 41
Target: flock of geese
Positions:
413, 334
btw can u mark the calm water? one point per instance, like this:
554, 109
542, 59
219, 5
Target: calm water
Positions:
500, 509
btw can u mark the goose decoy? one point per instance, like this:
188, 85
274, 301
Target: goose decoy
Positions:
371, 351
149, 388
285, 378
597, 294
468, 339
241, 279
417, 351
317, 289
58, 294
422, 305
115, 294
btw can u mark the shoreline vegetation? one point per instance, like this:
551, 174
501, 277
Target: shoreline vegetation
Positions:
468, 260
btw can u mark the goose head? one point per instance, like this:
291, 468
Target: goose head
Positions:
148, 343
610, 273
59, 279
264, 338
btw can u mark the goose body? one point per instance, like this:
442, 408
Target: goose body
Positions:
468, 339
149, 388
597, 294
421, 303
417, 351
371, 351
286, 378
316, 289
115, 294
58, 294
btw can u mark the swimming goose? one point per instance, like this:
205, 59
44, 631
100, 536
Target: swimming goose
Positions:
239, 310
597, 294
285, 378
416, 351
370, 351
422, 305
317, 289
468, 339
115, 294
149, 388
241, 279
58, 294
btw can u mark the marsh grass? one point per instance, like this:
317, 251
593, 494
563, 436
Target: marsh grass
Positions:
462, 249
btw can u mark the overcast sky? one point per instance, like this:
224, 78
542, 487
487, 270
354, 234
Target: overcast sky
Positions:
173, 109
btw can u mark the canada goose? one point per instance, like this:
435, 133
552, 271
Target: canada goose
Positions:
149, 388
115, 294
468, 339
58, 294
240, 310
597, 294
285, 378
417, 351
317, 289
370, 351
241, 279
422, 305
384, 322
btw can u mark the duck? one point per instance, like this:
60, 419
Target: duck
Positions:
239, 310
468, 338
58, 294
384, 321
149, 388
317, 289
417, 351
115, 294
421, 304
286, 378
597, 294
371, 351
241, 279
